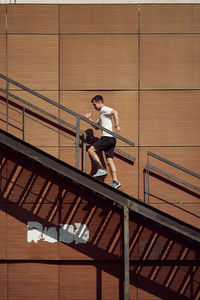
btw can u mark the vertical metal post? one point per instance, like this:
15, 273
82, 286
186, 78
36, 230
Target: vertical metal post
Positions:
23, 124
77, 141
84, 153
7, 103
126, 255
147, 178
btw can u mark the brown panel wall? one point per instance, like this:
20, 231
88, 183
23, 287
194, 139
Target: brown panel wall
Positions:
35, 281
77, 282
170, 61
169, 118
36, 19
98, 19
3, 281
2, 18
2, 59
3, 230
33, 60
2, 56
168, 18
91, 282
98, 62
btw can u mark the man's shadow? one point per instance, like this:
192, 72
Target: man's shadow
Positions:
90, 139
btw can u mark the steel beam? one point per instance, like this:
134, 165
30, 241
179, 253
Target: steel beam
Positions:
126, 255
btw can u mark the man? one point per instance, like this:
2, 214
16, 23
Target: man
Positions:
107, 142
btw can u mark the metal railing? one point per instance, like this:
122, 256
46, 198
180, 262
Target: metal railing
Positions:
179, 180
81, 135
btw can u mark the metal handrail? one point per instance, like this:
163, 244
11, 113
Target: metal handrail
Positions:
75, 128
67, 110
175, 178
173, 164
149, 166
24, 102
17, 121
39, 109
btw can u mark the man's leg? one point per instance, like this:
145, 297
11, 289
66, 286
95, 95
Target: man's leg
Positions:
113, 169
116, 184
94, 156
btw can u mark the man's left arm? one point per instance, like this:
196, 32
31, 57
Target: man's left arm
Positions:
115, 115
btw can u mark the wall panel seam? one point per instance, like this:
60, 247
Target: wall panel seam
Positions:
138, 101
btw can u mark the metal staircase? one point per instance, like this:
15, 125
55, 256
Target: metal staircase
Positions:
132, 208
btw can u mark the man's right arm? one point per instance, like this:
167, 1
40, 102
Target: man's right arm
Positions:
116, 119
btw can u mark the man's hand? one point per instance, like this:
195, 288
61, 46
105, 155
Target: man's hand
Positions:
117, 130
88, 115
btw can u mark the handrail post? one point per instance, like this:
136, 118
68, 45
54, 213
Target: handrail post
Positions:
77, 142
84, 152
23, 123
126, 255
7, 103
147, 179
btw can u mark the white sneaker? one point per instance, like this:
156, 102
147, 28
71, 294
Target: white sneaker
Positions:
100, 173
116, 184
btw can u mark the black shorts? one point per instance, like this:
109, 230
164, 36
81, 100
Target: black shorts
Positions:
107, 144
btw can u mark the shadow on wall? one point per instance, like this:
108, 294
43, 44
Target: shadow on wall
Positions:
55, 211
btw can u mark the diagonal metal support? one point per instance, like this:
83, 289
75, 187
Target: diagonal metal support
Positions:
126, 254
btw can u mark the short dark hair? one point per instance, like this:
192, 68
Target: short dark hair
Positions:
97, 98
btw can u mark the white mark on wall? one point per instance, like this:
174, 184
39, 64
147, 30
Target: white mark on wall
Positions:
50, 235
34, 233
81, 233
77, 233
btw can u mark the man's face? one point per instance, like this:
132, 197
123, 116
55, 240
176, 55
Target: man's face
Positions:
97, 105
